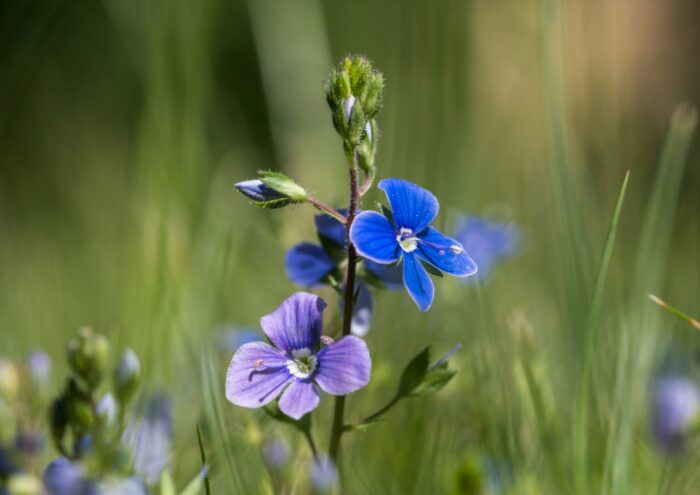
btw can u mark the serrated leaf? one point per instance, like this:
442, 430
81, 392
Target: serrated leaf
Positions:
414, 373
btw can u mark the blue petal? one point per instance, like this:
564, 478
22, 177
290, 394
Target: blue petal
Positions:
331, 228
445, 254
374, 238
306, 264
412, 206
417, 282
487, 242
390, 275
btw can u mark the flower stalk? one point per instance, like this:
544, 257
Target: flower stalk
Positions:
348, 302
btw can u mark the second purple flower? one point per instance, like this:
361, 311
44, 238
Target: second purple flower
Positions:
296, 365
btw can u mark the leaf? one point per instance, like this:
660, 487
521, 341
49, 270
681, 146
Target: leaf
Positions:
196, 485
414, 373
434, 380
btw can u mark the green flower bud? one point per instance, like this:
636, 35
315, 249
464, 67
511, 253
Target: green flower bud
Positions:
354, 93
88, 356
81, 414
127, 377
272, 190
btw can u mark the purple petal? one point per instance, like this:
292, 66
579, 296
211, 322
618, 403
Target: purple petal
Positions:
297, 323
299, 398
331, 228
374, 238
306, 264
417, 282
257, 374
412, 206
344, 366
445, 254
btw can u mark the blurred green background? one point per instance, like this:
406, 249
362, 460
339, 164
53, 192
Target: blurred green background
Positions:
124, 125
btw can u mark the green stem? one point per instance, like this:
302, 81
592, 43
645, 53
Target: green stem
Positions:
312, 444
338, 415
376, 415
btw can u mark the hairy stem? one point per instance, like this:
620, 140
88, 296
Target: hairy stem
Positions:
324, 208
349, 300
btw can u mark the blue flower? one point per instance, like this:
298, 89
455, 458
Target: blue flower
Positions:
487, 242
676, 407
310, 265
150, 437
409, 237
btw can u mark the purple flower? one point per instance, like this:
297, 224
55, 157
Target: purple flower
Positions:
310, 265
39, 366
487, 242
276, 453
323, 474
63, 477
409, 237
676, 405
149, 436
293, 365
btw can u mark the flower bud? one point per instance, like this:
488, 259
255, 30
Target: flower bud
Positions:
63, 477
272, 190
39, 366
323, 474
127, 376
88, 356
106, 410
354, 92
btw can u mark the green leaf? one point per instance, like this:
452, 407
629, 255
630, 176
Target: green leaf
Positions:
434, 380
414, 373
195, 486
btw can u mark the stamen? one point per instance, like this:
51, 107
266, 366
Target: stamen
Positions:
257, 364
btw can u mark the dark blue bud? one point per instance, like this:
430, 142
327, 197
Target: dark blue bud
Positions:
63, 477
255, 190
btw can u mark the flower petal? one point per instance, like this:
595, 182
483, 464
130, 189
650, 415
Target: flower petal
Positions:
344, 366
417, 282
412, 206
362, 312
374, 238
330, 228
390, 275
257, 374
299, 398
297, 323
306, 264
445, 254
487, 242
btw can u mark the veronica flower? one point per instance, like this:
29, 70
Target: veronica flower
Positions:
64, 477
408, 236
310, 265
676, 406
487, 242
294, 365
150, 437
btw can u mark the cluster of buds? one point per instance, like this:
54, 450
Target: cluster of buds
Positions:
86, 419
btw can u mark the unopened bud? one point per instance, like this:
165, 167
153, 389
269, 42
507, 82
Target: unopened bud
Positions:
273, 190
106, 409
127, 376
39, 366
88, 356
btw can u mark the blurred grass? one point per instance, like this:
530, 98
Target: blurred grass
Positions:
124, 124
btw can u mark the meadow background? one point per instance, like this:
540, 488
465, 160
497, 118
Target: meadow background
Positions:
124, 125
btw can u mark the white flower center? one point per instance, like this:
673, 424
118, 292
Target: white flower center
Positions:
303, 364
407, 240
